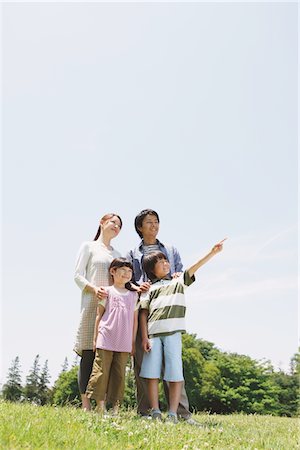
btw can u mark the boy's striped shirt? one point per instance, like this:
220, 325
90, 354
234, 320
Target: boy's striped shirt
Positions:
165, 302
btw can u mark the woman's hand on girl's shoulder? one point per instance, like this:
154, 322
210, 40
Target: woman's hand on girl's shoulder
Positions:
101, 293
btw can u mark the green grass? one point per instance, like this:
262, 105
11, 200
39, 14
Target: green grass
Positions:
31, 427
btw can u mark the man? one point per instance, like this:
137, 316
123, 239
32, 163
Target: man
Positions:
147, 226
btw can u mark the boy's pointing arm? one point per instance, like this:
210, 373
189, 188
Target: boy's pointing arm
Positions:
216, 249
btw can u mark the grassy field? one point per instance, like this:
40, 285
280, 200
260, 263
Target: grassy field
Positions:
31, 427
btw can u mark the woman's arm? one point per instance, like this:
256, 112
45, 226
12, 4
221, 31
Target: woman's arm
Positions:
100, 292
80, 268
80, 272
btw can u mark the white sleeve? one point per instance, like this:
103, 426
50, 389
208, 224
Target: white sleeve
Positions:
81, 264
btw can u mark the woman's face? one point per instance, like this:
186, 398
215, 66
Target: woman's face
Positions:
111, 227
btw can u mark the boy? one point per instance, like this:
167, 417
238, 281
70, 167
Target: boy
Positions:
162, 322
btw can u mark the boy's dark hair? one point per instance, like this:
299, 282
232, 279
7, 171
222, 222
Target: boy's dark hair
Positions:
149, 262
138, 221
120, 262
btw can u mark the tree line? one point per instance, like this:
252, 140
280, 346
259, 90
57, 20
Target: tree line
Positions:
216, 381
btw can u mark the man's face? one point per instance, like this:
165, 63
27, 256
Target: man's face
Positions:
150, 226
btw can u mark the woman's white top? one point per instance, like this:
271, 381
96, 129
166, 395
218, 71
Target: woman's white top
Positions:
91, 269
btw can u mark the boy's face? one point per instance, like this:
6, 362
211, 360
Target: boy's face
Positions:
161, 268
150, 226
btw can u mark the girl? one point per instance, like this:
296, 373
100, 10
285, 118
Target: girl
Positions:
92, 272
114, 337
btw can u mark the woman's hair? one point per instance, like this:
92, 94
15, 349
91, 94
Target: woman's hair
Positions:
138, 221
104, 219
122, 262
149, 262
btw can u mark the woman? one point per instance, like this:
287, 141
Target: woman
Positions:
91, 273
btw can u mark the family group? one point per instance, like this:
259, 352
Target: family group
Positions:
133, 305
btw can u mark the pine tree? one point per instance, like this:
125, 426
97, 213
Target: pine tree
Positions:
75, 361
31, 390
12, 390
44, 393
65, 365
295, 364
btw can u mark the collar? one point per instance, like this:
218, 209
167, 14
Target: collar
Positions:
157, 242
167, 278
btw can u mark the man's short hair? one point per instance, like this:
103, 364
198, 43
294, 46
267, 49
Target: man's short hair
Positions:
149, 262
138, 221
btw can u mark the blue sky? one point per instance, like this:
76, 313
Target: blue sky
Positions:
189, 109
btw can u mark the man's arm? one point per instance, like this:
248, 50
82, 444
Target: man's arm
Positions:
174, 260
129, 257
133, 285
177, 261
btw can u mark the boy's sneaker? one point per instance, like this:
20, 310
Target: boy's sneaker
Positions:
156, 415
171, 418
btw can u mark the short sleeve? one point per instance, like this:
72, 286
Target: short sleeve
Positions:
144, 300
102, 302
187, 279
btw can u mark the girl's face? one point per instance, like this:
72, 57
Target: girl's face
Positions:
161, 268
111, 227
121, 275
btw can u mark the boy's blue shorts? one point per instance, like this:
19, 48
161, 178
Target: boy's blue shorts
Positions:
168, 348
